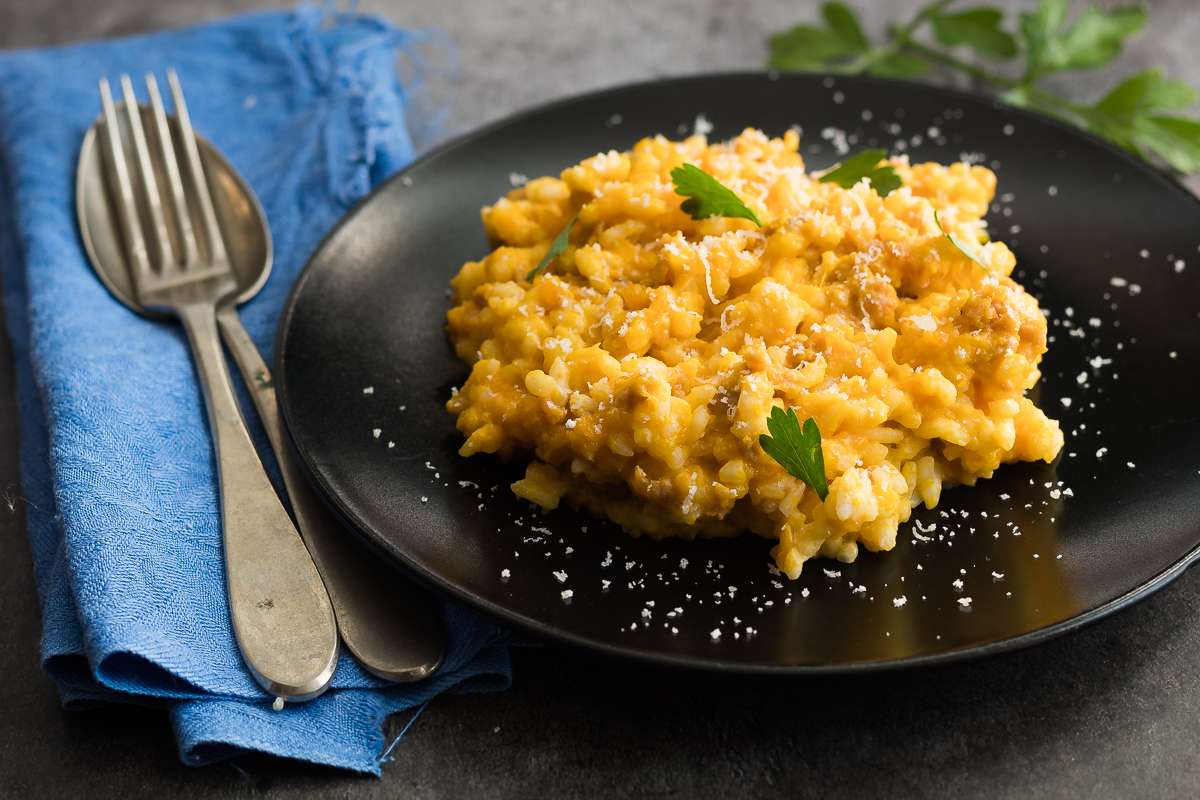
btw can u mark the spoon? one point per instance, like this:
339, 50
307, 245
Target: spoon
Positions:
385, 619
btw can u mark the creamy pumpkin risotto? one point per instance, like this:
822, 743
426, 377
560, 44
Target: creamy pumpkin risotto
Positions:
640, 367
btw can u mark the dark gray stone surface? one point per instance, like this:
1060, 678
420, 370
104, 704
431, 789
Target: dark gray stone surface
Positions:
1111, 711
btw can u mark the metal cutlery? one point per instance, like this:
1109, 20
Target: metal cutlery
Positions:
385, 619
281, 614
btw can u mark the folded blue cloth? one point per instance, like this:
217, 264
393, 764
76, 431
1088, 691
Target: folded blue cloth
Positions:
116, 458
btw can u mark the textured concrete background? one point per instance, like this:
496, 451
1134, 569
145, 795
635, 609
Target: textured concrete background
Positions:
1112, 711
518, 53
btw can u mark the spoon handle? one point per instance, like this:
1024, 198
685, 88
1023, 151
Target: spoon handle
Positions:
281, 614
385, 619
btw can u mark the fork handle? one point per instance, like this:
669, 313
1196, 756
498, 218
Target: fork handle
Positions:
385, 619
281, 614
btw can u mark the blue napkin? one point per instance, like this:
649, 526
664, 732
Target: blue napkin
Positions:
116, 459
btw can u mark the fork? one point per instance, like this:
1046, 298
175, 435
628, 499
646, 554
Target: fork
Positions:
281, 614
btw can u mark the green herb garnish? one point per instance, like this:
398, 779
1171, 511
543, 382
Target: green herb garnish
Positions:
706, 196
839, 47
798, 450
884, 179
1131, 116
978, 29
963, 247
1138, 114
556, 249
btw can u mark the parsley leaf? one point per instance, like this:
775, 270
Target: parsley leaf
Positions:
1092, 41
844, 25
1050, 42
979, 29
961, 244
811, 49
1147, 91
897, 65
796, 449
840, 48
884, 179
1126, 116
556, 249
1176, 140
706, 196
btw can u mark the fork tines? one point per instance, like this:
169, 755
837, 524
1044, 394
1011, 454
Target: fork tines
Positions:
177, 218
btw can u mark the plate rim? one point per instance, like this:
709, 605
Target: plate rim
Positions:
496, 613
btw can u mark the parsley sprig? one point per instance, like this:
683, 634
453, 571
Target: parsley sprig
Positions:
797, 449
1138, 114
556, 249
961, 244
884, 179
706, 196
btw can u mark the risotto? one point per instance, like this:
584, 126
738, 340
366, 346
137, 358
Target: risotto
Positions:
639, 369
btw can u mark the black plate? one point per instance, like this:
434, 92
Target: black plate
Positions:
1108, 245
